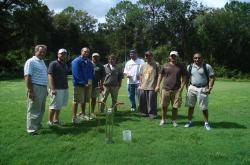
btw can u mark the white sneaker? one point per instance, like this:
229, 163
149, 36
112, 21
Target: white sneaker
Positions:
132, 109
162, 122
188, 124
58, 122
207, 126
175, 124
50, 124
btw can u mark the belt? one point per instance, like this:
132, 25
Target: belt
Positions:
199, 86
40, 85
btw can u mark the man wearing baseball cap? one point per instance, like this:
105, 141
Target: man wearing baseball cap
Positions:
175, 76
58, 86
97, 83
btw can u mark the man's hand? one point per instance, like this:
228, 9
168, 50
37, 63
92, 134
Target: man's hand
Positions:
31, 95
157, 89
53, 92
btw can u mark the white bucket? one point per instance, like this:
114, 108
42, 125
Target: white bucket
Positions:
126, 135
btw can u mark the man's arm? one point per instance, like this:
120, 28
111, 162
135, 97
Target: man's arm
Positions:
157, 88
211, 83
51, 84
29, 86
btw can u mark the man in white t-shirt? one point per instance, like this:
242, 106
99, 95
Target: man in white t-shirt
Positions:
131, 71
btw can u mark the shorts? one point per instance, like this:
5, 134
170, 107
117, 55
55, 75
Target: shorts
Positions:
95, 92
172, 96
59, 100
195, 94
81, 94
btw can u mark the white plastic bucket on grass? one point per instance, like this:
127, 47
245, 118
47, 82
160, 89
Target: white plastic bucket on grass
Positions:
127, 135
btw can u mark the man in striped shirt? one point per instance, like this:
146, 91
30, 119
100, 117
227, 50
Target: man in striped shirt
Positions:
36, 79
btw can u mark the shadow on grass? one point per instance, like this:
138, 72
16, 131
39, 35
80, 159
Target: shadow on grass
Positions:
222, 124
85, 126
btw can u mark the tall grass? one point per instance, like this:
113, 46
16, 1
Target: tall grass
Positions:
226, 143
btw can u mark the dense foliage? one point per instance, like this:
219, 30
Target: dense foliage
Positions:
221, 34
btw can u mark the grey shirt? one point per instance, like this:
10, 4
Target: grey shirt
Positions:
198, 76
59, 72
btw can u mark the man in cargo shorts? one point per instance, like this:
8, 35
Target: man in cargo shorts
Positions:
174, 75
58, 86
82, 75
202, 79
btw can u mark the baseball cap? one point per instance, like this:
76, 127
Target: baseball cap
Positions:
132, 51
95, 54
62, 51
174, 53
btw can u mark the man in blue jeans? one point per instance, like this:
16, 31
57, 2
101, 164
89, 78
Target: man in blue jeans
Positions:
131, 71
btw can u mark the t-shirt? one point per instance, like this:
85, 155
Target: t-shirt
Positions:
132, 69
99, 74
149, 75
172, 76
37, 69
59, 72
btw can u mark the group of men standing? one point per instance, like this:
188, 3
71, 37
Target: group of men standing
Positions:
144, 80
92, 79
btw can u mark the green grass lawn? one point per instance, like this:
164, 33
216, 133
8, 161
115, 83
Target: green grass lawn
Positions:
227, 143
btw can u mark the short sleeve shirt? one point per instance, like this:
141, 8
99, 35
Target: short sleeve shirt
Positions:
59, 72
37, 69
172, 76
99, 74
198, 76
149, 74
132, 69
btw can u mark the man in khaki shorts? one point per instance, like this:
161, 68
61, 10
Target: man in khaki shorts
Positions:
58, 86
82, 75
202, 79
174, 81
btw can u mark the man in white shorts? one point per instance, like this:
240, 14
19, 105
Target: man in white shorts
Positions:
58, 86
202, 79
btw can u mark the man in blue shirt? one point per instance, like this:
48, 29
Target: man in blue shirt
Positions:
82, 75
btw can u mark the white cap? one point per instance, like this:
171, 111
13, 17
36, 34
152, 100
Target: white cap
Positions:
62, 51
174, 53
95, 54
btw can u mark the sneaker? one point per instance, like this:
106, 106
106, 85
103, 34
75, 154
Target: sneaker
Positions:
132, 109
175, 124
162, 122
58, 122
188, 124
50, 124
75, 121
207, 126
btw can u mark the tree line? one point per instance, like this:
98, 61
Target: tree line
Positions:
222, 35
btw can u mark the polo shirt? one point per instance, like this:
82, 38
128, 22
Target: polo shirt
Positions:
59, 72
37, 69
198, 76
82, 71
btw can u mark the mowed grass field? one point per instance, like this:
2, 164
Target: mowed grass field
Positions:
227, 143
